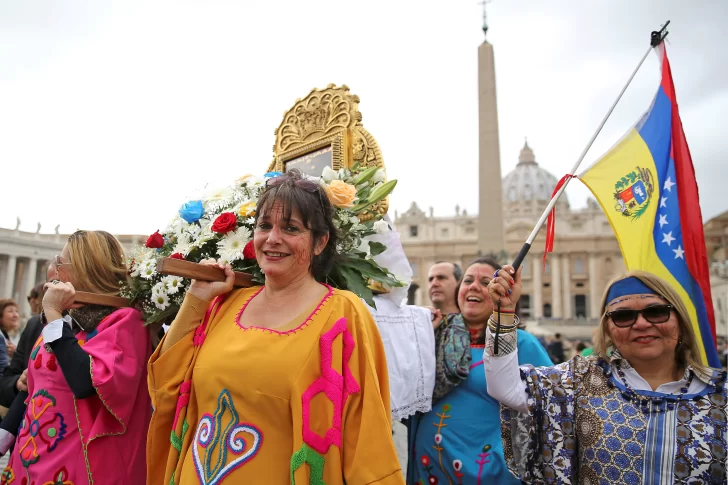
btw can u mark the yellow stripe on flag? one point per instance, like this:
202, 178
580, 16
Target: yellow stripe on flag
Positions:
635, 233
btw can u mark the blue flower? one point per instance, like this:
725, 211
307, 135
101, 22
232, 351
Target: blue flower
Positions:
192, 211
270, 175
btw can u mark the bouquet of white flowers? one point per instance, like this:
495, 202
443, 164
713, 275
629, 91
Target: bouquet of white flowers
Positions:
220, 226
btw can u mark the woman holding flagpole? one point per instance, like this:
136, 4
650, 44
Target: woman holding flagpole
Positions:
641, 409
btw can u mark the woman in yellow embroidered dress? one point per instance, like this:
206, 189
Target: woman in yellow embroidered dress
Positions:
284, 383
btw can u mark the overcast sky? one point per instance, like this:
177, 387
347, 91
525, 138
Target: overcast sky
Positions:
114, 114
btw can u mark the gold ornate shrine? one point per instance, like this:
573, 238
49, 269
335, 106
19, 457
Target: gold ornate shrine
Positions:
324, 129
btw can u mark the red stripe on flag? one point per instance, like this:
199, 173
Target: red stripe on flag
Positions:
691, 218
551, 223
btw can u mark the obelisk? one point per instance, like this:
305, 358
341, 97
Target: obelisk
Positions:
491, 235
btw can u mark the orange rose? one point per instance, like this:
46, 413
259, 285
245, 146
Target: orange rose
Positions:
341, 194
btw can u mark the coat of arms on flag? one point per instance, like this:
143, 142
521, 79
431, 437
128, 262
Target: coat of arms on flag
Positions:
633, 193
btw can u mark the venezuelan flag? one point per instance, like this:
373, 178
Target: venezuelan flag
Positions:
646, 186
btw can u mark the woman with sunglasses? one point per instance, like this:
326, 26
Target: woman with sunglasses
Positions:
87, 412
281, 383
641, 409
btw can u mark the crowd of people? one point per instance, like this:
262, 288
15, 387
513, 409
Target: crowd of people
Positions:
287, 382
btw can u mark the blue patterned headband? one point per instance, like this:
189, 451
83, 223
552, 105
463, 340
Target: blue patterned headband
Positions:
629, 286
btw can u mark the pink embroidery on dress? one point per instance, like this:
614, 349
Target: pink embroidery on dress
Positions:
335, 386
199, 337
287, 332
182, 401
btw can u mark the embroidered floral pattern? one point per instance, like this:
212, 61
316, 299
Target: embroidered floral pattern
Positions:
220, 434
60, 478
7, 476
41, 426
456, 467
483, 460
438, 440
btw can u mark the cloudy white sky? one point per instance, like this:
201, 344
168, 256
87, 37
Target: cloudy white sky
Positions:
112, 114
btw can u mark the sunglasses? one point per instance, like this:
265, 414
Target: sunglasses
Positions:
625, 317
305, 184
310, 186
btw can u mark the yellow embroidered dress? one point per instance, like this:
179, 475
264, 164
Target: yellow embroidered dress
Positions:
305, 403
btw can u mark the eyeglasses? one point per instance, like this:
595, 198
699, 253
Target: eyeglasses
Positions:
58, 261
626, 317
305, 184
309, 186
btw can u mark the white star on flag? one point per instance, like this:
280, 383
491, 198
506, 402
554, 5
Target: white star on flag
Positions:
668, 184
662, 202
679, 252
663, 220
667, 238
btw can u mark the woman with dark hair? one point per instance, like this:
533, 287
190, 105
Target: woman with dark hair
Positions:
281, 383
641, 409
87, 410
458, 441
9, 325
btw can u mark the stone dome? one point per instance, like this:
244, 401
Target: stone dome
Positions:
528, 187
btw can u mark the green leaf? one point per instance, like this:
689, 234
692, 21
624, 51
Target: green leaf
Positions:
377, 194
365, 176
356, 284
376, 248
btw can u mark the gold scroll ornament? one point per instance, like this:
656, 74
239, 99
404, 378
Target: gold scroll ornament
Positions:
325, 129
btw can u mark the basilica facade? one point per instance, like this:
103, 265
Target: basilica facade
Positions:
568, 287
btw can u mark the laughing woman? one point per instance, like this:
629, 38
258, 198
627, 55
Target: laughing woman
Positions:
458, 441
641, 409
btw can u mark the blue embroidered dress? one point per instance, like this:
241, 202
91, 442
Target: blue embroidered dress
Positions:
583, 428
458, 441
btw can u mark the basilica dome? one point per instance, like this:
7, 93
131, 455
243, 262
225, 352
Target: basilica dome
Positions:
528, 188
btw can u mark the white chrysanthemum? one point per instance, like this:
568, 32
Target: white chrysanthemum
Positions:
183, 247
161, 300
250, 221
218, 195
175, 226
255, 181
159, 288
134, 268
232, 245
147, 269
174, 283
193, 230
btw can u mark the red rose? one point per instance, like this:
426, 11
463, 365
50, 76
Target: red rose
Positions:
176, 256
425, 460
225, 222
156, 240
249, 251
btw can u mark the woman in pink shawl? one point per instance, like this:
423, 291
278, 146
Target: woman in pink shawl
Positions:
86, 412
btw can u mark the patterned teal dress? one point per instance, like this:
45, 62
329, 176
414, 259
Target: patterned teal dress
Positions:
458, 441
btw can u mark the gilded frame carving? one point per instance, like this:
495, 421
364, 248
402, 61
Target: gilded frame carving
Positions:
327, 117
340, 152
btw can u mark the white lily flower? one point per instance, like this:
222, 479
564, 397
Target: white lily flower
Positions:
329, 174
381, 227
